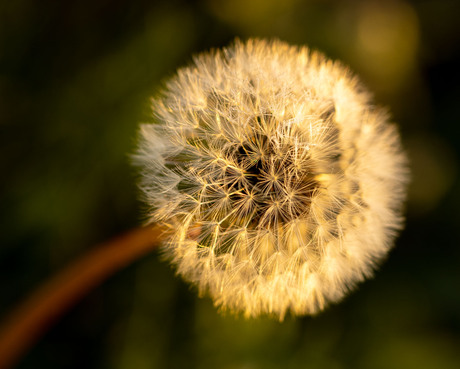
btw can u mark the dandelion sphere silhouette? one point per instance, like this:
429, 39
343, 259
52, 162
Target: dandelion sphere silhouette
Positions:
281, 183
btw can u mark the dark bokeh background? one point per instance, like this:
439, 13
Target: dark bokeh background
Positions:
75, 81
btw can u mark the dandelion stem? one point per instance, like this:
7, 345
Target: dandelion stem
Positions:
31, 319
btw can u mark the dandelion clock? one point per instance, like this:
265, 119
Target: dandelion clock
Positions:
280, 182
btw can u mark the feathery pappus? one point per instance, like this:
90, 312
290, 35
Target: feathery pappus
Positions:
281, 182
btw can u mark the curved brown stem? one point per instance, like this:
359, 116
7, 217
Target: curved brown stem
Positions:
40, 310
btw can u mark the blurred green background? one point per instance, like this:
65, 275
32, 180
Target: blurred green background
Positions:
75, 82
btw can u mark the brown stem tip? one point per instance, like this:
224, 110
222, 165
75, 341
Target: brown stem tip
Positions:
31, 319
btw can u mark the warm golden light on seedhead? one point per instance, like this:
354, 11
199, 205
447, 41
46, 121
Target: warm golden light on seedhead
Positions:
283, 185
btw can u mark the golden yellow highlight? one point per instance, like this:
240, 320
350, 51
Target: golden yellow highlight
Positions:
282, 184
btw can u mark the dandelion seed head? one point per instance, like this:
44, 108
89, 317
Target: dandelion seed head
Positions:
281, 182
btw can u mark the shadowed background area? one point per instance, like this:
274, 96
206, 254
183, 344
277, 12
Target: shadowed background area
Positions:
75, 82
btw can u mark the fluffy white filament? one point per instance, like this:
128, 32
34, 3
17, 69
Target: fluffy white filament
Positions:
282, 184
